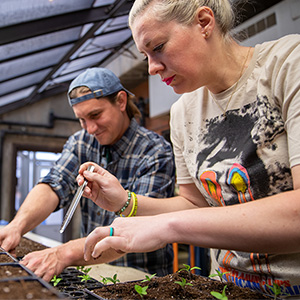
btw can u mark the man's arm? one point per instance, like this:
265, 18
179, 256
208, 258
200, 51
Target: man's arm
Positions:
52, 261
38, 205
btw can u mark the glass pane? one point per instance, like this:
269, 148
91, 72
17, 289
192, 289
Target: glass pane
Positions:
16, 96
22, 82
16, 11
67, 77
39, 43
114, 38
103, 2
119, 22
32, 63
86, 62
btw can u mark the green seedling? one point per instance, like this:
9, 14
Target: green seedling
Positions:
148, 278
189, 269
142, 291
80, 268
219, 295
84, 277
83, 269
56, 280
87, 270
104, 280
183, 283
276, 289
219, 274
114, 279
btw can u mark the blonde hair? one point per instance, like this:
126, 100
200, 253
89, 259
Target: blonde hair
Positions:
131, 108
184, 11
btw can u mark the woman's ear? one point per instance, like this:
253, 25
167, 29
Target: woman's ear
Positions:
122, 100
206, 20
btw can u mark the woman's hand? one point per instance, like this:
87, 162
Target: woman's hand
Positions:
103, 188
138, 234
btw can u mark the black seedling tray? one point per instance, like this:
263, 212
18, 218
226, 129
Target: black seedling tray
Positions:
6, 283
72, 287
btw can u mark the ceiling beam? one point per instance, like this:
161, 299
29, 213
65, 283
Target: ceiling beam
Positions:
34, 28
113, 11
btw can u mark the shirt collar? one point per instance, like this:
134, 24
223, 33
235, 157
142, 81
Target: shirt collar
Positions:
122, 144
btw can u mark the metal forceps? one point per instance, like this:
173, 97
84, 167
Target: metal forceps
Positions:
74, 203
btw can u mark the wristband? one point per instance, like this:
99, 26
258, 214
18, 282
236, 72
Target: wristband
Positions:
134, 205
119, 213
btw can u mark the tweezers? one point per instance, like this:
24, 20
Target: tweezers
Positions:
74, 203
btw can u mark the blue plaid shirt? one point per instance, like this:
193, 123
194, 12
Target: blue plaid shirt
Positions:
143, 163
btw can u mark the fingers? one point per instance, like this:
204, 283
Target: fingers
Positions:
9, 238
116, 243
7, 245
92, 239
37, 267
91, 176
41, 264
101, 240
85, 166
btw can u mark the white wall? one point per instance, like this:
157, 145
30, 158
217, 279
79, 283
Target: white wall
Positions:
129, 59
288, 22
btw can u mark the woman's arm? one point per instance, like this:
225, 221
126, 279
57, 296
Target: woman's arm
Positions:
106, 191
268, 225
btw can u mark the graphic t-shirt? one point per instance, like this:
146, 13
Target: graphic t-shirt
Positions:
247, 154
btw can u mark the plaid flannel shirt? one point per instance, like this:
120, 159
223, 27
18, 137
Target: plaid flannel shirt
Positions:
143, 163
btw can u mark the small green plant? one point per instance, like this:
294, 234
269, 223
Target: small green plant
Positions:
183, 283
148, 278
219, 295
142, 291
56, 280
83, 269
113, 279
80, 268
219, 274
84, 277
189, 269
104, 280
276, 289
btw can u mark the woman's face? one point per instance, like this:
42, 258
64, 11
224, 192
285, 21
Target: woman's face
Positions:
174, 51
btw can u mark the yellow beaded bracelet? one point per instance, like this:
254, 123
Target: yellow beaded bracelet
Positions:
134, 205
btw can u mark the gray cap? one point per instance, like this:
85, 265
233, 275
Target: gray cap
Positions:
102, 82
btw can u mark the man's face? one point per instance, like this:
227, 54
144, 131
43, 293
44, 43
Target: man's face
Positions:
101, 118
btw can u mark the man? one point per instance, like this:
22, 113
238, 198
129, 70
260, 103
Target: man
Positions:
140, 159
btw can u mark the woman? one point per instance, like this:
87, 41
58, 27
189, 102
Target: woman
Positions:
236, 145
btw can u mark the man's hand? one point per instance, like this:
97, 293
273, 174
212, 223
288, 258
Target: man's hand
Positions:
45, 263
103, 188
10, 237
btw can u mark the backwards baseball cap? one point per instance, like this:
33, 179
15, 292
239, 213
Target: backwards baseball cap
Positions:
102, 82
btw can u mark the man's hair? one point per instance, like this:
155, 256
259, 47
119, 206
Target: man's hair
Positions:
131, 108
